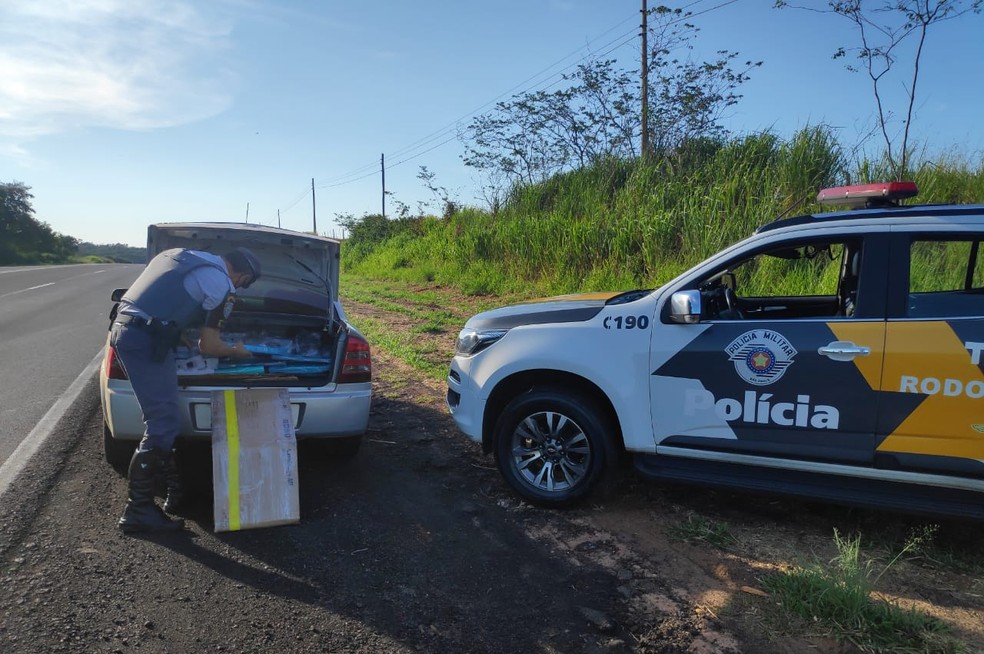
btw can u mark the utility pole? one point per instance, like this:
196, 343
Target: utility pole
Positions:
278, 218
314, 213
645, 81
382, 168
247, 212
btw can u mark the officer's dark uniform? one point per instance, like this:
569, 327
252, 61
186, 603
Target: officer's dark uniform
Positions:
152, 314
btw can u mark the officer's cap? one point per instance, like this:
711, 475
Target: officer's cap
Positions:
243, 260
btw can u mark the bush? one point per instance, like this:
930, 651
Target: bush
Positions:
630, 223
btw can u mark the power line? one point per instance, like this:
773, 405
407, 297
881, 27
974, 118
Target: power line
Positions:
294, 202
528, 79
627, 37
618, 42
443, 131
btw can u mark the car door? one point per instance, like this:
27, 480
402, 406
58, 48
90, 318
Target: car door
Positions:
786, 363
932, 413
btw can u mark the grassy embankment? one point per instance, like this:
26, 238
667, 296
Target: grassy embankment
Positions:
626, 224
622, 225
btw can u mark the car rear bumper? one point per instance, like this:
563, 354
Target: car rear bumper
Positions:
343, 411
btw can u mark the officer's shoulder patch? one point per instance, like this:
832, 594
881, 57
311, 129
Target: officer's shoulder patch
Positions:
230, 301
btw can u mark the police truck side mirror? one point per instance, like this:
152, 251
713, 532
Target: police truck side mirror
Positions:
117, 294
685, 307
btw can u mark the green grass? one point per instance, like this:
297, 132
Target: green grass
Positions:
620, 224
837, 597
416, 302
953, 546
697, 528
404, 346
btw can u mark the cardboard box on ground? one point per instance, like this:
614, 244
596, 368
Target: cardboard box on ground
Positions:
254, 459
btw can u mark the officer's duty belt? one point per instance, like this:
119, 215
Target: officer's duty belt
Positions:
137, 321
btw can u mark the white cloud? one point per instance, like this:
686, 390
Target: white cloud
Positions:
16, 153
66, 64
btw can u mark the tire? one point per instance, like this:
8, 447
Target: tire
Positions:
118, 453
554, 447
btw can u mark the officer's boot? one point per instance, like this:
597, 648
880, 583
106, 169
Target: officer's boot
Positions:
172, 480
141, 512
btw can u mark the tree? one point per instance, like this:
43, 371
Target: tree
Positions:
370, 228
18, 229
881, 29
538, 134
596, 115
23, 239
687, 98
448, 205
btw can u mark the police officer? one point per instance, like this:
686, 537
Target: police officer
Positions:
179, 288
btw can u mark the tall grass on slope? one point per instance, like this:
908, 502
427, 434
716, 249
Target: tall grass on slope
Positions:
628, 224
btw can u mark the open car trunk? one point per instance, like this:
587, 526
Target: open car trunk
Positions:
288, 318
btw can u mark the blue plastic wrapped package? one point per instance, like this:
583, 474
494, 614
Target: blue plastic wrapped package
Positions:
240, 369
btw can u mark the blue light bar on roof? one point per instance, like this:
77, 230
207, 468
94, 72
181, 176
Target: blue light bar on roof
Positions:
862, 195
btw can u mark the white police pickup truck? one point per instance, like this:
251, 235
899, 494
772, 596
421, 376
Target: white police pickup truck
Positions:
835, 356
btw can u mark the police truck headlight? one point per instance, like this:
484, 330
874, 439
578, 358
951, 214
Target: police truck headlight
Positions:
472, 341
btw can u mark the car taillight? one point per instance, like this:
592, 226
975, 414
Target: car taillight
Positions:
357, 363
114, 369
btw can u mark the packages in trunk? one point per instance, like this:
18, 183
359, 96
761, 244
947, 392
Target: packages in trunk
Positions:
254, 459
301, 353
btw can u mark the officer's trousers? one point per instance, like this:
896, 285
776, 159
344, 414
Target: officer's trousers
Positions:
155, 384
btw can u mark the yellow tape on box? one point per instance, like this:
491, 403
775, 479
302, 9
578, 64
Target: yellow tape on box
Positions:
254, 459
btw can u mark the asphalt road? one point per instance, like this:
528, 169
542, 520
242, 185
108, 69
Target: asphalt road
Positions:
53, 322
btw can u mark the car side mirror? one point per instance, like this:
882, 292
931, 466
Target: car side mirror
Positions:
685, 307
117, 294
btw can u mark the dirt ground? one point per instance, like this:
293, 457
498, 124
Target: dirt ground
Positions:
417, 545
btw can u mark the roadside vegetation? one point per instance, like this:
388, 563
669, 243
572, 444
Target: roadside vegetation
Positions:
840, 597
25, 240
605, 183
699, 529
622, 224
432, 315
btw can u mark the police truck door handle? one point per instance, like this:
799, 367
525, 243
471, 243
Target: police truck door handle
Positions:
844, 350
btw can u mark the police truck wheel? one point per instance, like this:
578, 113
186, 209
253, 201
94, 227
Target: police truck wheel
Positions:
553, 447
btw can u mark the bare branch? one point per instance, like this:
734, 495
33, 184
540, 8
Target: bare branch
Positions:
881, 31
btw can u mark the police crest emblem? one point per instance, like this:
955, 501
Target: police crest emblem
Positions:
761, 356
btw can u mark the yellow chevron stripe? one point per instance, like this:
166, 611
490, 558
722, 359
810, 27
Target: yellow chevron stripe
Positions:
232, 443
868, 334
946, 422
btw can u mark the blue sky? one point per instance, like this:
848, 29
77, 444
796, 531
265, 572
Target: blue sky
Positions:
119, 113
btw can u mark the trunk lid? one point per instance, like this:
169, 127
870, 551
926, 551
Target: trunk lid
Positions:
287, 316
300, 271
